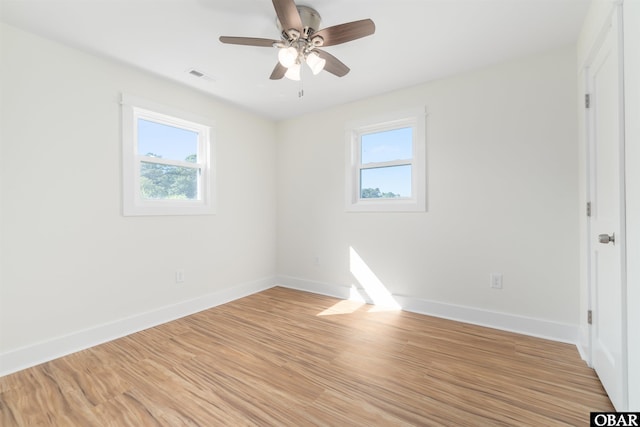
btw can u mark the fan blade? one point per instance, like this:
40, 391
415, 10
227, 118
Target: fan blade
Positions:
249, 41
346, 32
333, 65
288, 15
278, 72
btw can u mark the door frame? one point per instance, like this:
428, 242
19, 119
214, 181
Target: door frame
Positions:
615, 16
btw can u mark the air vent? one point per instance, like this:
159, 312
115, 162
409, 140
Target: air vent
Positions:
200, 74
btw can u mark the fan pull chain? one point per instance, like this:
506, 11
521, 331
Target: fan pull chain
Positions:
301, 88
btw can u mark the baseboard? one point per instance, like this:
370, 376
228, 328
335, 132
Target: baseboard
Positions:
22, 358
330, 290
25, 357
540, 328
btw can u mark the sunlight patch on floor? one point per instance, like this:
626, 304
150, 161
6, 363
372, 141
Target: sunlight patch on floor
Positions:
371, 284
369, 289
342, 307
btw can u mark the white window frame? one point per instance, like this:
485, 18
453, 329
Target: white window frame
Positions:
415, 119
134, 204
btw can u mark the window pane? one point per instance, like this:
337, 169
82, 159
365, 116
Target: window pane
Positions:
387, 146
167, 142
387, 182
159, 181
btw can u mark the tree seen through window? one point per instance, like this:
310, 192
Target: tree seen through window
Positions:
163, 181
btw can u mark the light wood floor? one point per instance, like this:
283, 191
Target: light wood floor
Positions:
284, 357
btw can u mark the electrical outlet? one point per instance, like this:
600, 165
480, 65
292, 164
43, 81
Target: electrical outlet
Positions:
179, 276
496, 281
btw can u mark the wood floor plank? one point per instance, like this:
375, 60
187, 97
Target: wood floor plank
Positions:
291, 358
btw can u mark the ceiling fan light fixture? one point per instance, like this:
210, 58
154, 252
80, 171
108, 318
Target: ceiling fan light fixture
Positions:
315, 62
293, 73
288, 56
300, 36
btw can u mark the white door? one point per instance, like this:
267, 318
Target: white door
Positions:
606, 243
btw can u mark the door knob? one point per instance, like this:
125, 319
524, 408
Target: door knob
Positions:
605, 238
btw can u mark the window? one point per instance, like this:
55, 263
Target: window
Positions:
166, 161
386, 163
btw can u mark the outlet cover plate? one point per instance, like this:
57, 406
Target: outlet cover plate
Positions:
496, 281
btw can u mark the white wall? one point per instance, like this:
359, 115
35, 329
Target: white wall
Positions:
502, 147
631, 11
70, 260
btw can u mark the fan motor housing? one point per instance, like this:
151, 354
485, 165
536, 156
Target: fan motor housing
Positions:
310, 21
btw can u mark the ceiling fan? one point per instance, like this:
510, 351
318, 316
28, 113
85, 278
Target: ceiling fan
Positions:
301, 40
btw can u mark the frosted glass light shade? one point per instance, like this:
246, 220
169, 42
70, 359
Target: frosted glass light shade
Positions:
315, 62
293, 73
287, 56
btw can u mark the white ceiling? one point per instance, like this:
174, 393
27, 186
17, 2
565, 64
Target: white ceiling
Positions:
415, 41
